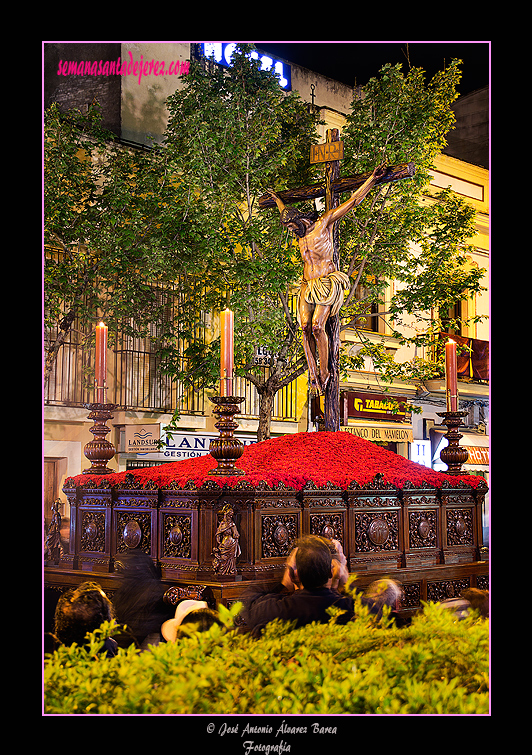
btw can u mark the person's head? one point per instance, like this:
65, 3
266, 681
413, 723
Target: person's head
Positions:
470, 599
191, 613
136, 565
298, 222
478, 600
199, 620
313, 561
383, 592
80, 610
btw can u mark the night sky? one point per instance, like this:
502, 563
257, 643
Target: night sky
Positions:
354, 63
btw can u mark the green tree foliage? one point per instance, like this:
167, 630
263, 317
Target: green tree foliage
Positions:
116, 246
232, 134
133, 230
436, 665
401, 235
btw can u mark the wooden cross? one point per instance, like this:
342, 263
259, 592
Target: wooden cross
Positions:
331, 187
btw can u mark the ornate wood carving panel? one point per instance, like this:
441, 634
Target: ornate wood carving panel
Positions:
449, 588
422, 531
133, 531
374, 501
376, 532
328, 525
177, 532
379, 526
279, 533
92, 535
411, 595
459, 527
275, 503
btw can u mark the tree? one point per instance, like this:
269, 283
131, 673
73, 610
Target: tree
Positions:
232, 134
115, 242
400, 235
135, 228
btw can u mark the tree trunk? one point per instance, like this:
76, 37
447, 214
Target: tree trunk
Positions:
64, 327
332, 389
279, 378
266, 397
51, 352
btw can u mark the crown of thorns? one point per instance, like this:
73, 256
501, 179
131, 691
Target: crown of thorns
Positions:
290, 214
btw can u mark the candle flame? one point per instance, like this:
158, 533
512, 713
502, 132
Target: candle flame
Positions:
450, 340
101, 325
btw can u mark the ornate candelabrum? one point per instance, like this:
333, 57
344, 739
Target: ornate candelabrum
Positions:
226, 449
99, 450
453, 455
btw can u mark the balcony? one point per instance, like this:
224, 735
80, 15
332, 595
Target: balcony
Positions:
473, 360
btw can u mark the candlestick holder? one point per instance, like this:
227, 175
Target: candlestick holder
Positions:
226, 449
453, 455
99, 450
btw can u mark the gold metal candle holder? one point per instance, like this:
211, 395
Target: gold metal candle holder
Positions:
226, 449
453, 455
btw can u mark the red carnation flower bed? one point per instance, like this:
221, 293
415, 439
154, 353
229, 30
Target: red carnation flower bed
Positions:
338, 458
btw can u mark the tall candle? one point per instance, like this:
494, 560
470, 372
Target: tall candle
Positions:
227, 352
451, 376
100, 371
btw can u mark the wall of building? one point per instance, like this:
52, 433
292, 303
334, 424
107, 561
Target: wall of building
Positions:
144, 114
68, 81
469, 139
143, 98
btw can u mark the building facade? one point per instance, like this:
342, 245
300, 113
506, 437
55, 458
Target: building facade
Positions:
134, 108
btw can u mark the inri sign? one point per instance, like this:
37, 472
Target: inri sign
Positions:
222, 52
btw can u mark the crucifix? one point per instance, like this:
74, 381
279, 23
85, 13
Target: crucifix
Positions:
323, 285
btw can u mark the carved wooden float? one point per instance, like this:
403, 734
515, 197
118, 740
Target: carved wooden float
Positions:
403, 520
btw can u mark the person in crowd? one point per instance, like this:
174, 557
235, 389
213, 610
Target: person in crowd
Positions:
339, 564
81, 610
306, 590
192, 614
470, 600
381, 593
479, 600
340, 574
139, 604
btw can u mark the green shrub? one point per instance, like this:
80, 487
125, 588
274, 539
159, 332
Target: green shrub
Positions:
435, 665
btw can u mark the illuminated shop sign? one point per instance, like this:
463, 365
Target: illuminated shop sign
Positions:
420, 452
222, 52
189, 445
374, 406
143, 440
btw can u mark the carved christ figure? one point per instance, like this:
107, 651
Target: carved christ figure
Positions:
322, 287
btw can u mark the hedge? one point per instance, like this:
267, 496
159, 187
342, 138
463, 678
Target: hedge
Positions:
435, 665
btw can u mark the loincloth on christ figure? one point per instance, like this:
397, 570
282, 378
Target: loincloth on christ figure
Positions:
327, 291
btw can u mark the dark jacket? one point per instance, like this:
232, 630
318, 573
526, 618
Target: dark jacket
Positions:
302, 606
